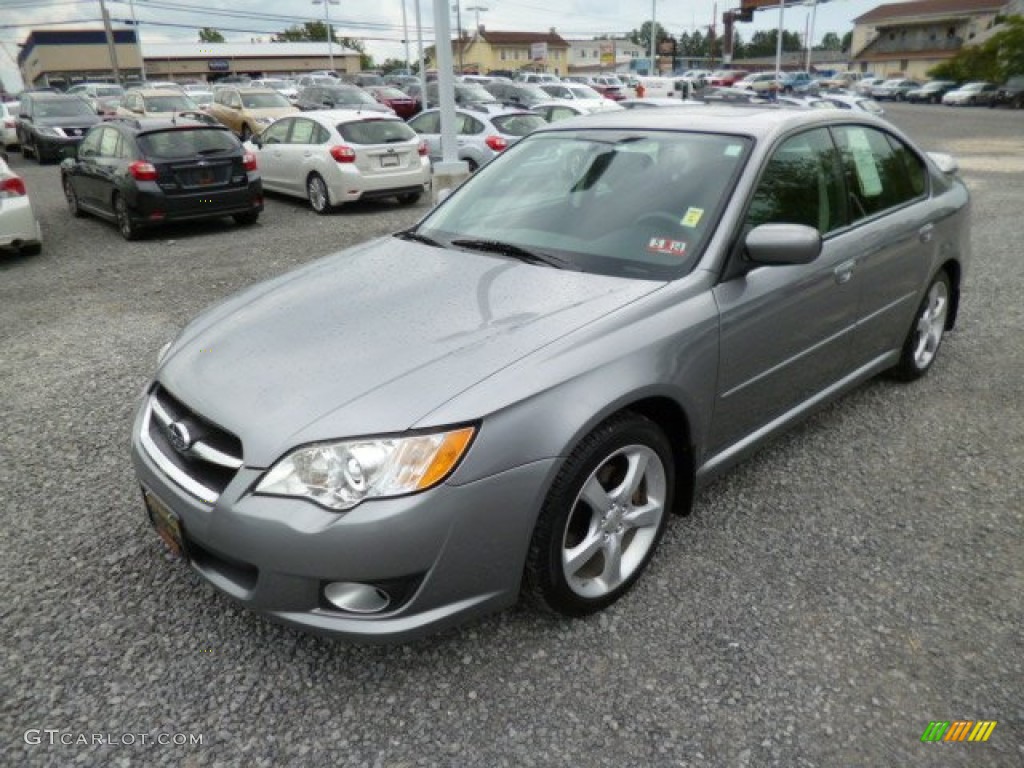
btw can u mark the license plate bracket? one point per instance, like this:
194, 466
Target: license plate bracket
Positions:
166, 523
389, 161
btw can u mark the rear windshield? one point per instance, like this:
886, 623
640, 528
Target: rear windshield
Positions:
517, 125
264, 100
348, 96
186, 142
169, 103
376, 132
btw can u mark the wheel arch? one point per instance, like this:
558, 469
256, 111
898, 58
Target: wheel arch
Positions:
954, 271
327, 187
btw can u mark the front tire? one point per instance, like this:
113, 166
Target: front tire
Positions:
319, 197
246, 134
603, 517
925, 336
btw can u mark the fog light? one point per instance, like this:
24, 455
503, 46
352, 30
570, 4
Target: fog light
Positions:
356, 598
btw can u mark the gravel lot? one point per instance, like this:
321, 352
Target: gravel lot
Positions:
857, 579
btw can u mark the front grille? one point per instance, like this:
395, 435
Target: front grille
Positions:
211, 458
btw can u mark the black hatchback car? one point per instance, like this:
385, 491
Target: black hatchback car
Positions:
48, 122
143, 172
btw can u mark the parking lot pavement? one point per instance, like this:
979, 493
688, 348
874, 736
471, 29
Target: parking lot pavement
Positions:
856, 580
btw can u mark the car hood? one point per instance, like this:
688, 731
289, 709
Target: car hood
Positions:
271, 111
373, 339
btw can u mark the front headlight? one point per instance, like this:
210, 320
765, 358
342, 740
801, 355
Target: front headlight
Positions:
340, 475
45, 130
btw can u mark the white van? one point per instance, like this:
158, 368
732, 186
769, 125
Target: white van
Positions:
660, 87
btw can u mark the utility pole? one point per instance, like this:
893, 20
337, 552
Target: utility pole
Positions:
110, 42
458, 24
138, 40
405, 34
654, 34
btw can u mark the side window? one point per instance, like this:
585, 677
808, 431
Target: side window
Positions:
800, 185
321, 135
429, 123
234, 100
880, 174
109, 142
90, 145
469, 126
277, 133
302, 132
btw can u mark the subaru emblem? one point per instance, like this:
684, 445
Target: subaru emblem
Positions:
178, 437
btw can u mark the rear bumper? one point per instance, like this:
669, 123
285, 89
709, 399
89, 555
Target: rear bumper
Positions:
150, 205
349, 184
18, 224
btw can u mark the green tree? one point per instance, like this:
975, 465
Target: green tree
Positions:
642, 36
210, 35
392, 65
830, 42
998, 58
316, 32
847, 41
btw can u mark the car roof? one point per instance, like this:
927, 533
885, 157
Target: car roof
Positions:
155, 124
759, 121
335, 116
157, 92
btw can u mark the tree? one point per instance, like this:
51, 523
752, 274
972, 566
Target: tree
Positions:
210, 35
764, 43
998, 58
316, 32
830, 42
642, 36
847, 41
393, 65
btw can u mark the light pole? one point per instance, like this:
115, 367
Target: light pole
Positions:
458, 23
405, 34
327, 21
654, 35
138, 40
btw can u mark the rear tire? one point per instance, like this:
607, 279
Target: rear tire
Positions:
33, 249
128, 229
410, 198
319, 197
246, 134
925, 336
72, 198
246, 219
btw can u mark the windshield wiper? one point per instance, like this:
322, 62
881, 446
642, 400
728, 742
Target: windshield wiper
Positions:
409, 234
513, 251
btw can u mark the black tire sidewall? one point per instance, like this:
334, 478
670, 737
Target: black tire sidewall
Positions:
907, 369
545, 579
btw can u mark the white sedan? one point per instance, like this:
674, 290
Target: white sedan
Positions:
332, 157
19, 228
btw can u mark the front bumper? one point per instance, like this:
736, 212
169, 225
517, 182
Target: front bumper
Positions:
448, 554
49, 146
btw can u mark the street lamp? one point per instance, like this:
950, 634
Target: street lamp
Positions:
327, 21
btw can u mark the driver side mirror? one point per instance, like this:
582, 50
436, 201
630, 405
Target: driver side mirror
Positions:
783, 244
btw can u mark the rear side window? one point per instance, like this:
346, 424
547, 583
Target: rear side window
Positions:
517, 125
376, 132
880, 171
167, 145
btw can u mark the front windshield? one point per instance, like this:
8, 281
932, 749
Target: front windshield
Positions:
628, 203
71, 107
264, 101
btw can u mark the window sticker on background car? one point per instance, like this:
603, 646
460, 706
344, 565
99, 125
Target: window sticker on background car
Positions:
864, 162
733, 150
664, 245
692, 217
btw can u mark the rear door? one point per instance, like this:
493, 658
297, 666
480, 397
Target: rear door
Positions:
895, 225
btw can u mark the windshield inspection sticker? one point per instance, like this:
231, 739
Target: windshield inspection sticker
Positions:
692, 217
664, 245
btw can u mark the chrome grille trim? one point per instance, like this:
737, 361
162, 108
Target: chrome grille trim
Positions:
197, 489
198, 449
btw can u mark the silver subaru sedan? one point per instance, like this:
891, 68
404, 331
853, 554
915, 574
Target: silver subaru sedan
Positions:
513, 396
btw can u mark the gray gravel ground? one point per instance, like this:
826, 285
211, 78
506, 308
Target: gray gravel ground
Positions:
857, 579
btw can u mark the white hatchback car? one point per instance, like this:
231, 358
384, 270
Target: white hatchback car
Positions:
8, 124
19, 228
332, 157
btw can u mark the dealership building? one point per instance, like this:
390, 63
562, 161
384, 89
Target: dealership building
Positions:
64, 57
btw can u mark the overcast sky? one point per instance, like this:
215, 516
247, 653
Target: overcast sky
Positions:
379, 22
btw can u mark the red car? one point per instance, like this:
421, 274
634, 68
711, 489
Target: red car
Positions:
405, 106
727, 77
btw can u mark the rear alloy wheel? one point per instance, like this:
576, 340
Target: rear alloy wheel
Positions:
72, 198
410, 198
603, 517
316, 191
922, 344
129, 231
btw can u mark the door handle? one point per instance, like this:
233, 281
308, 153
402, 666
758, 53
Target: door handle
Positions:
925, 233
844, 271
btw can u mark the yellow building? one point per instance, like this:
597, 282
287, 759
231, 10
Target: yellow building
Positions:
486, 51
65, 56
